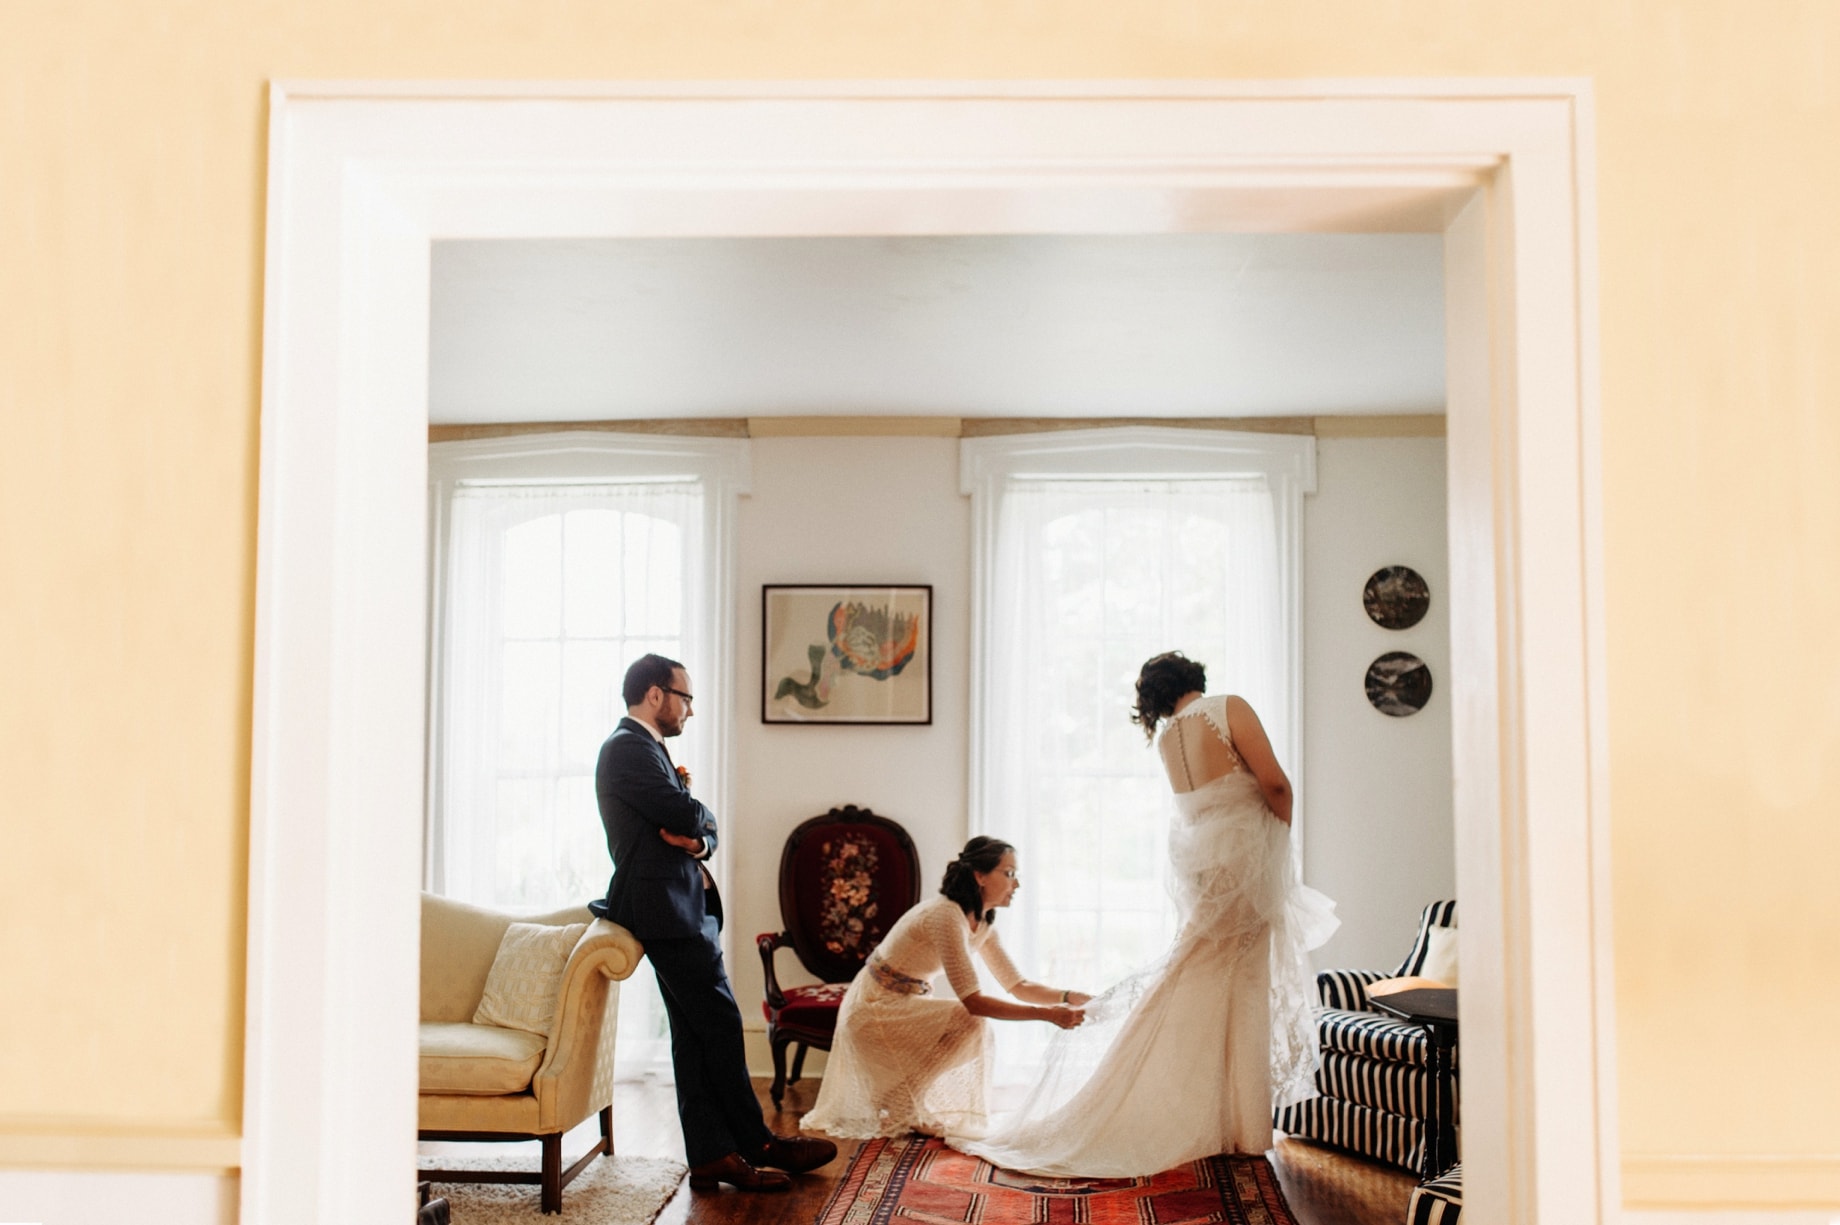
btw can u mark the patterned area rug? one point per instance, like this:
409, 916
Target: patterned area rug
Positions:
613, 1190
921, 1180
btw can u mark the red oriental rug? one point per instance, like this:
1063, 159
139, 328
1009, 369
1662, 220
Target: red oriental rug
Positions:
920, 1180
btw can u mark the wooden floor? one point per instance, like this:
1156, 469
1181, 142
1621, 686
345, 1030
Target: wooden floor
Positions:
1323, 1186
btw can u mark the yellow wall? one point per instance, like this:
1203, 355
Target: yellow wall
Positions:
131, 198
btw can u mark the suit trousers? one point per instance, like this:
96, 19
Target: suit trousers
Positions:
715, 1097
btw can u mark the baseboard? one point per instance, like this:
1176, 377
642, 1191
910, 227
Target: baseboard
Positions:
1726, 1216
1765, 1185
760, 1056
107, 1197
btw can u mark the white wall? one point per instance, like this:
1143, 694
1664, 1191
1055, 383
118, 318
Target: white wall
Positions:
845, 510
1378, 826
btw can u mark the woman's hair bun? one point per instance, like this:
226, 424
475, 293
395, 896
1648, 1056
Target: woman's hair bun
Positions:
1162, 682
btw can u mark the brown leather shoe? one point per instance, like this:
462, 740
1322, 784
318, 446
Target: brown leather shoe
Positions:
796, 1154
737, 1173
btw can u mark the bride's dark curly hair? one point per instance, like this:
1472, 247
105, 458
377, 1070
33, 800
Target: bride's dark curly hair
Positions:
1163, 681
981, 854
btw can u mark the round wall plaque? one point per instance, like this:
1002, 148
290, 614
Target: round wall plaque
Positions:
1396, 597
1398, 684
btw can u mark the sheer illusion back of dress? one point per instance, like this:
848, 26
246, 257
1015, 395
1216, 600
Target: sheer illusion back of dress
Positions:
1199, 750
1183, 1058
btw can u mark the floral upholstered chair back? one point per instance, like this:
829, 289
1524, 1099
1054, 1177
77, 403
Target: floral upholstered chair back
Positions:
844, 878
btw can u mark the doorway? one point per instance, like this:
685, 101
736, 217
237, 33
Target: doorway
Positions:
365, 178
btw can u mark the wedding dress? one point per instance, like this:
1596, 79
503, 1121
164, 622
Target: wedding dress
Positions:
904, 1059
1187, 1057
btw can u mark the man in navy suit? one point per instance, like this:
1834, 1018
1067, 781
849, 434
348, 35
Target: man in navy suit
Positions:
659, 836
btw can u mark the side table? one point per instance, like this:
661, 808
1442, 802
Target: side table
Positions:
1435, 1010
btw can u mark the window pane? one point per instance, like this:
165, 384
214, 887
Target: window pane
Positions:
531, 591
531, 687
582, 865
653, 567
591, 579
591, 705
522, 849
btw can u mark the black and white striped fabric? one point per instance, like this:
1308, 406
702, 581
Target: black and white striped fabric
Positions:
1379, 1134
1438, 1202
1345, 989
1376, 1036
1397, 1088
1373, 1082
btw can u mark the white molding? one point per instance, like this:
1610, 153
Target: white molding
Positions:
1667, 1185
108, 1197
364, 177
1286, 461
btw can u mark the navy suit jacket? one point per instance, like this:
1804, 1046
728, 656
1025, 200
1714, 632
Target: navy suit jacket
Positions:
657, 891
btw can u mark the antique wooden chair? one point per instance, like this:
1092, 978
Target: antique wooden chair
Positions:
844, 878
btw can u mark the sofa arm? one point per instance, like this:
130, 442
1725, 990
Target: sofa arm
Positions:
1345, 989
576, 1076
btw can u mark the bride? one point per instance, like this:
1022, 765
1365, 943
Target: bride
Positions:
1187, 1057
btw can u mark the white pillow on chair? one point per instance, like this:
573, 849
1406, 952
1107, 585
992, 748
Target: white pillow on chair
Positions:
1441, 955
525, 976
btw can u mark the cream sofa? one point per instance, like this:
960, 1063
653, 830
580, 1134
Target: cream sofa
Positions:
481, 1082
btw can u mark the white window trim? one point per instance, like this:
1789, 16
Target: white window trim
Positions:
724, 466
1286, 461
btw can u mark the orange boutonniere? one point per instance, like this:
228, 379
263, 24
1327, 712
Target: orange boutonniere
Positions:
683, 776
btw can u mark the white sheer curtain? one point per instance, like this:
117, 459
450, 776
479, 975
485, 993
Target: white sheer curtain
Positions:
1090, 578
551, 590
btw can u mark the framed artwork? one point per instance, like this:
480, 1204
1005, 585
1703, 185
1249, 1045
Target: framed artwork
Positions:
846, 654
1396, 597
1399, 684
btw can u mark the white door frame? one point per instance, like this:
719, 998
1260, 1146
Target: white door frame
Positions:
364, 176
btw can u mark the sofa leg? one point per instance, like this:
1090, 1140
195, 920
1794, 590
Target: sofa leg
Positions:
607, 1129
552, 1172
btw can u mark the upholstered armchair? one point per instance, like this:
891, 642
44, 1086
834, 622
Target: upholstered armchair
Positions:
493, 1083
1374, 1085
844, 878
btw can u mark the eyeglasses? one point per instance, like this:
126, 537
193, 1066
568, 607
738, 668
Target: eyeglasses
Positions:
680, 693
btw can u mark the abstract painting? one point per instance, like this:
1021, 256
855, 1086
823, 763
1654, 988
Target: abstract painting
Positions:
846, 654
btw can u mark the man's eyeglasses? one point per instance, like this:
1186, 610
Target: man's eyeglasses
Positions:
680, 693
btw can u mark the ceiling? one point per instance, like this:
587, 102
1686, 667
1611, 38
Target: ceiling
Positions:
1155, 325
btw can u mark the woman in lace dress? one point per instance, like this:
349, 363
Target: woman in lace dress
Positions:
905, 1059
1185, 1058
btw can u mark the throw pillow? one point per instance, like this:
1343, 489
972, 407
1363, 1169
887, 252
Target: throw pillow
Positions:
1441, 955
526, 975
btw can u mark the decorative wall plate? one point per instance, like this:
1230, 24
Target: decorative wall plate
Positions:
1396, 597
1399, 684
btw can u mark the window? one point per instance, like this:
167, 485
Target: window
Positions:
1096, 550
559, 560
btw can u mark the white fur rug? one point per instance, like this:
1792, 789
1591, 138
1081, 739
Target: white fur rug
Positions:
614, 1190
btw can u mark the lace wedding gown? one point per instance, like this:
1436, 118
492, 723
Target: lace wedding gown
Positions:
904, 1059
1187, 1057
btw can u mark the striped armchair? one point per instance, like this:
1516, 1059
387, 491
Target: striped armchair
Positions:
1373, 1082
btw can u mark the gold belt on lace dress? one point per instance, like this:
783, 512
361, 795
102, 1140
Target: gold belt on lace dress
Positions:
894, 980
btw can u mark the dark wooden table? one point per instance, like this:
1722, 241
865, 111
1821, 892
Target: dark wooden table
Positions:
1435, 1010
